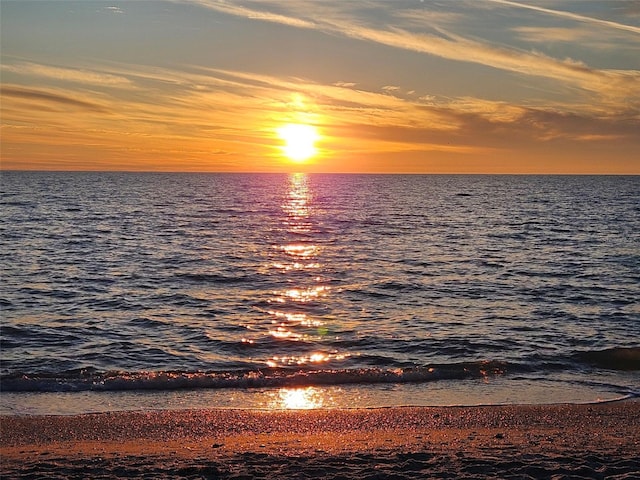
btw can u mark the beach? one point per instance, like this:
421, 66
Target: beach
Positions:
514, 441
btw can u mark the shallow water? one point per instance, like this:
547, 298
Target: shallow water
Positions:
235, 285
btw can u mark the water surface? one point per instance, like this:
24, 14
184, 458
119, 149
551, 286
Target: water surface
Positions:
370, 289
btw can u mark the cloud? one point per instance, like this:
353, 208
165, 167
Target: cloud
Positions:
69, 74
341, 104
614, 85
502, 125
240, 11
585, 36
429, 99
116, 10
204, 112
552, 34
455, 47
345, 84
356, 120
39, 96
492, 111
571, 16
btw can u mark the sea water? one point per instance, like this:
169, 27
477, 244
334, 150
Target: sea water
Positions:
153, 290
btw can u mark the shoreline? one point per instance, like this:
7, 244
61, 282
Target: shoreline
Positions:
537, 441
497, 391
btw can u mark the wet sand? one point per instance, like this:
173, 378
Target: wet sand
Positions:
553, 441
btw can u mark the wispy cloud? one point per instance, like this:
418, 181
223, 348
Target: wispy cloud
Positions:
116, 10
68, 74
49, 97
253, 14
552, 34
387, 121
571, 16
241, 110
610, 83
345, 84
443, 43
595, 40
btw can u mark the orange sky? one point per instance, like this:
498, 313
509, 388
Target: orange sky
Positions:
489, 86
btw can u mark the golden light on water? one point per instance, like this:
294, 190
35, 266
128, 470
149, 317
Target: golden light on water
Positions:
282, 332
295, 318
295, 306
300, 250
316, 358
285, 267
305, 295
297, 205
306, 398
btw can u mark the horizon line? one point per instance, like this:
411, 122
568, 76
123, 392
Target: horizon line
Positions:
200, 172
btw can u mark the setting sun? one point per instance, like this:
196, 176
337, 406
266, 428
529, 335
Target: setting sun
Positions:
299, 141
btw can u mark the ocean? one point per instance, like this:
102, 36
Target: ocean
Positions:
123, 291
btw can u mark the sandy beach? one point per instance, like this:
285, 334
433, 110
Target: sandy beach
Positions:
552, 441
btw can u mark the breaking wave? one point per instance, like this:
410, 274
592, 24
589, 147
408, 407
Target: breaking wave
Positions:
624, 359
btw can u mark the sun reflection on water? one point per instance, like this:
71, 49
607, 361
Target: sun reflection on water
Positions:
306, 398
305, 295
300, 250
298, 306
297, 206
282, 332
284, 267
316, 358
300, 319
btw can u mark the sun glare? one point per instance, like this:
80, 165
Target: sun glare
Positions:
300, 398
299, 141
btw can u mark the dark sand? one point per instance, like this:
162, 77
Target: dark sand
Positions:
554, 441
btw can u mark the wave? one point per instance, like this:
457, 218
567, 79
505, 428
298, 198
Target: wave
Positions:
626, 359
90, 379
620, 358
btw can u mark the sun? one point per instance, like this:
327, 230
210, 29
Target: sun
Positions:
299, 141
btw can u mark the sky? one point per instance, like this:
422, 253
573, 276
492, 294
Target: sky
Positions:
393, 86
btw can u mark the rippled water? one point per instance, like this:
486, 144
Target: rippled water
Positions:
124, 281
